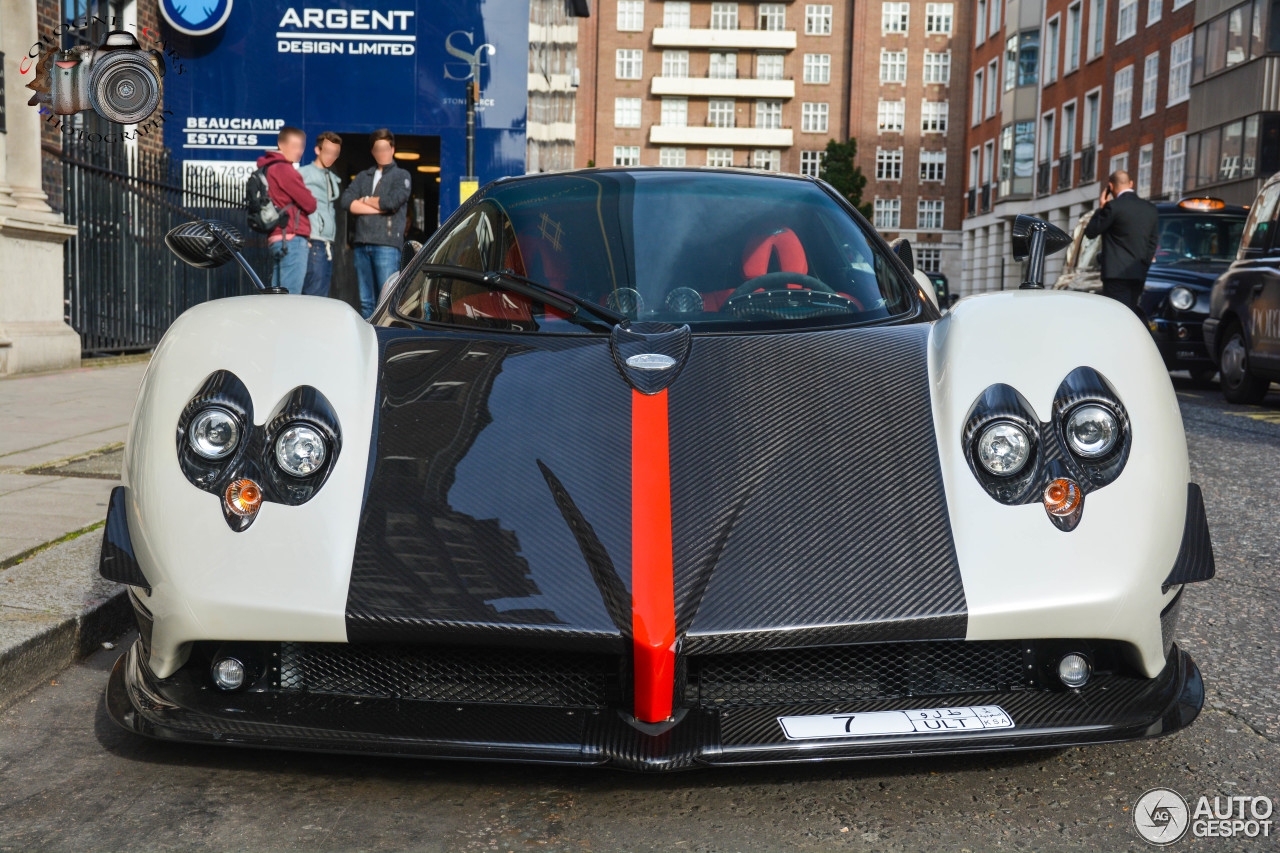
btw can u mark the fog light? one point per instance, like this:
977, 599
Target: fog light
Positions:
228, 673
1074, 670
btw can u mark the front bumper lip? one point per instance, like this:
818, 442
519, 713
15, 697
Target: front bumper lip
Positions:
1109, 709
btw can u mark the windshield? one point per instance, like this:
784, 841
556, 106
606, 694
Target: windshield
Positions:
1192, 237
719, 251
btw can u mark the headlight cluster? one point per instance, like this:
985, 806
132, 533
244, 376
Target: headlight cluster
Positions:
1019, 459
284, 461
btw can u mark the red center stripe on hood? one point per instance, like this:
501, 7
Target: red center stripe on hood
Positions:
653, 609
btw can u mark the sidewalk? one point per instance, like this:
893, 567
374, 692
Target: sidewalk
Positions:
61, 440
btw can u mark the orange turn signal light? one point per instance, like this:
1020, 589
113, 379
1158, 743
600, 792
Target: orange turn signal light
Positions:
244, 497
1062, 496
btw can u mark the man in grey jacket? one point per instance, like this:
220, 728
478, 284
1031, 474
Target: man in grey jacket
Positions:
377, 200
324, 185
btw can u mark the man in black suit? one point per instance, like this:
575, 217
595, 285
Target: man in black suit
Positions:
1128, 226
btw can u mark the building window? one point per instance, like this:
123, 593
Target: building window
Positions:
720, 112
993, 87
1122, 98
938, 17
814, 117
1092, 111
770, 160
724, 66
933, 116
893, 66
626, 155
626, 112
929, 214
1046, 137
630, 15
928, 260
769, 115
675, 112
979, 31
1150, 83
1017, 158
1051, 50
668, 156
720, 157
1068, 142
891, 115
1072, 59
937, 66
1178, 4
988, 159
1120, 162
817, 20
773, 17
817, 68
887, 213
724, 16
675, 14
933, 165
889, 164
1021, 60
973, 168
628, 67
811, 162
769, 66
894, 17
1126, 20
1180, 70
993, 17
1097, 26
1145, 156
1155, 8
675, 63
1175, 158
976, 106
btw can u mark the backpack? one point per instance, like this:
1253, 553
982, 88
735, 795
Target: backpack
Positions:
263, 215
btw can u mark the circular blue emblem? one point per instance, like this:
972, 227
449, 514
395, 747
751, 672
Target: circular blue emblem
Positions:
195, 17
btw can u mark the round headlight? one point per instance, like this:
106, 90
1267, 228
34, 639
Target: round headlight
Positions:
1003, 448
1182, 298
301, 450
1092, 431
213, 433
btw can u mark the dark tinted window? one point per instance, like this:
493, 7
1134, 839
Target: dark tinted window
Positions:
1199, 237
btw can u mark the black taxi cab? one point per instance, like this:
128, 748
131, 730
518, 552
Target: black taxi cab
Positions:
1198, 239
1242, 331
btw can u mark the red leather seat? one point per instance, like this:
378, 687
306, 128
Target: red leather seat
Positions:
773, 251
544, 266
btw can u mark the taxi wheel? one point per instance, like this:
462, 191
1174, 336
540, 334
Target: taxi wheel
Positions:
1238, 384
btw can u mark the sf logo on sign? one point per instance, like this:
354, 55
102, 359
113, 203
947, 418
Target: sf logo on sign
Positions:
474, 59
1161, 816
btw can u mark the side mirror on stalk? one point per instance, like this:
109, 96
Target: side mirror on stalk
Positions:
207, 244
1033, 240
902, 248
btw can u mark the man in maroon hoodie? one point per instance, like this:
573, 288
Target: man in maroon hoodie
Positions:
288, 242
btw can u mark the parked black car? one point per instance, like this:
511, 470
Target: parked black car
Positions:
1242, 331
1198, 240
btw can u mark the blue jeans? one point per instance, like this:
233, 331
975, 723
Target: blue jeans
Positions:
374, 265
319, 269
290, 264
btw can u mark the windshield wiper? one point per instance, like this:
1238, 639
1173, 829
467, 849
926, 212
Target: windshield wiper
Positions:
566, 303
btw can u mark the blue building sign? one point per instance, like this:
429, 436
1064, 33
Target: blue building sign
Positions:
352, 68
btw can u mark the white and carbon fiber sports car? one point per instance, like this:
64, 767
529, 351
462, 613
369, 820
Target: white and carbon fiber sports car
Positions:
656, 469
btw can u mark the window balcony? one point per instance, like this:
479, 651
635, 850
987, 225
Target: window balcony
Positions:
752, 137
1088, 160
744, 39
973, 201
986, 197
1064, 172
721, 87
1042, 177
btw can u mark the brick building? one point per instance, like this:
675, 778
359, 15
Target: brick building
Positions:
1062, 94
767, 84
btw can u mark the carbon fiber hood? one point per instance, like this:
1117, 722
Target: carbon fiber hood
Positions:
805, 493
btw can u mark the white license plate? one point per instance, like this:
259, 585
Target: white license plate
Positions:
919, 721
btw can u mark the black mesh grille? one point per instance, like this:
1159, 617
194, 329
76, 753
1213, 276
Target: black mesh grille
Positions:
848, 673
509, 676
